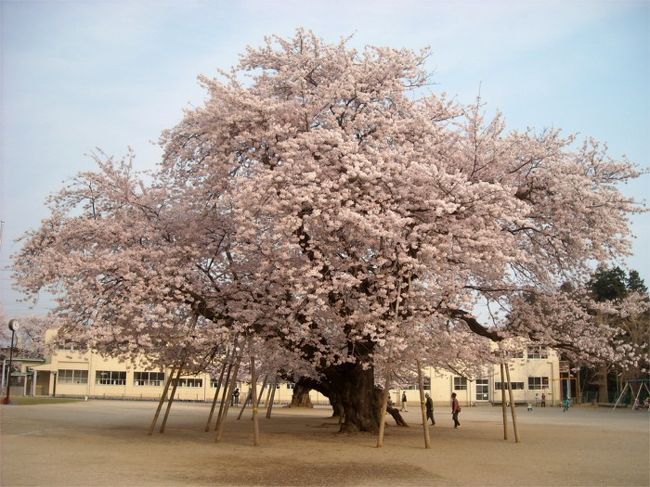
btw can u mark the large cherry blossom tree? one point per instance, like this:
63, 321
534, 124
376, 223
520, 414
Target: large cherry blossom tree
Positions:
325, 202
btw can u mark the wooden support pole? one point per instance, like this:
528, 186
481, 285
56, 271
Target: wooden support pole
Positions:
225, 399
171, 398
382, 414
512, 405
216, 392
269, 408
256, 424
503, 403
384, 401
425, 424
163, 397
222, 419
268, 393
243, 406
259, 396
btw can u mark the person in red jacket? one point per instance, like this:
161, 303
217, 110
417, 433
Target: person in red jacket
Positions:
455, 409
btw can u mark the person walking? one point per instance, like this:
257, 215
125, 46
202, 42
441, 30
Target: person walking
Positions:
455, 410
404, 405
543, 404
235, 396
429, 406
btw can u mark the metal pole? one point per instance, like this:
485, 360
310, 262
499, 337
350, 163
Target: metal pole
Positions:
568, 387
11, 356
4, 366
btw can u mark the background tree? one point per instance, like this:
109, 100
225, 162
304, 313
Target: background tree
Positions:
626, 308
635, 283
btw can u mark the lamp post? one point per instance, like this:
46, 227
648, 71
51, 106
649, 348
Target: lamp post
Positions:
13, 326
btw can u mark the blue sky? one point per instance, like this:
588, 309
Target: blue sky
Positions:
112, 74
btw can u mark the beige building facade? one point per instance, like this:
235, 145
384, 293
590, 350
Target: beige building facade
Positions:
87, 374
532, 373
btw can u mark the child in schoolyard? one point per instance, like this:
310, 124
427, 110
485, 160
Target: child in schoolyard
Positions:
455, 410
565, 405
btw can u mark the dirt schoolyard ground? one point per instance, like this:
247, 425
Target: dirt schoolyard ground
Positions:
105, 443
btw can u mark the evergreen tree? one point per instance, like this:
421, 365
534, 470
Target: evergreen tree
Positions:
635, 283
608, 284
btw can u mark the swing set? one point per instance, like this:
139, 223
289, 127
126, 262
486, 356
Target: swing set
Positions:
642, 383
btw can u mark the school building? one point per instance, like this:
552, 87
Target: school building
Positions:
533, 372
74, 373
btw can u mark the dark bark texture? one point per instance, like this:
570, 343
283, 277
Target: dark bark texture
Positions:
394, 412
352, 390
300, 397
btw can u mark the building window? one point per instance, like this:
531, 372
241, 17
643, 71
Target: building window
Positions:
513, 385
110, 378
537, 352
514, 354
426, 385
538, 383
460, 383
214, 383
148, 378
67, 376
184, 382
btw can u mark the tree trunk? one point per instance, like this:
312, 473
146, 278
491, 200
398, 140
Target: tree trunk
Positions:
352, 393
300, 397
603, 393
394, 412
355, 393
337, 407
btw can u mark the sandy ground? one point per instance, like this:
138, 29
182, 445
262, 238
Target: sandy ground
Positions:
105, 443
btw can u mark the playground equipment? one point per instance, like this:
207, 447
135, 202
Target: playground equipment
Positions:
643, 383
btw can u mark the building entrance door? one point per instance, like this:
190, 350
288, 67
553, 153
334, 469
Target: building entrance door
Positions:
482, 390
